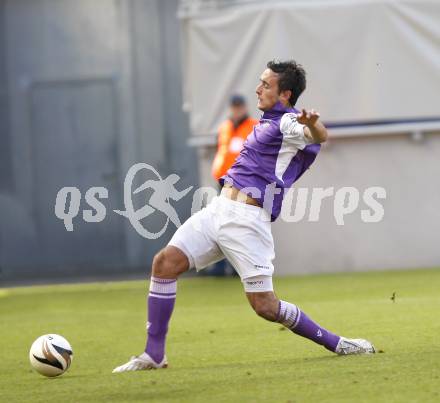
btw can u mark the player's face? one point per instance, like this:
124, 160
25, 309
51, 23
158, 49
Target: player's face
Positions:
267, 90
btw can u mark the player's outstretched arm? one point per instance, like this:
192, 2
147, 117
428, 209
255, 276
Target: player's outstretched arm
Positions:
314, 129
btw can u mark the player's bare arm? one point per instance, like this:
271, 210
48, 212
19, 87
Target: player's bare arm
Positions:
314, 129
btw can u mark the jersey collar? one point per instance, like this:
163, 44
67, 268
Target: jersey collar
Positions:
277, 110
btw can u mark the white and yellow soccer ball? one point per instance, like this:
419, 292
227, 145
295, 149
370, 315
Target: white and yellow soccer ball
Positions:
51, 355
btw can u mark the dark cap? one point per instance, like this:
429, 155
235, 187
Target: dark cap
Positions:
237, 100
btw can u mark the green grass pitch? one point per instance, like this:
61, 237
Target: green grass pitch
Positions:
219, 350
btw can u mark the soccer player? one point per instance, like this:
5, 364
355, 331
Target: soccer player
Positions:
236, 224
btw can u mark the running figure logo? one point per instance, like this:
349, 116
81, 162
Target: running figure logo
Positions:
163, 191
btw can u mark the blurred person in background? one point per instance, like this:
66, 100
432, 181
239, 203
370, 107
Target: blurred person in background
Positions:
231, 136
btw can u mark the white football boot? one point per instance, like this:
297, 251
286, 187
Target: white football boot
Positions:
140, 363
354, 346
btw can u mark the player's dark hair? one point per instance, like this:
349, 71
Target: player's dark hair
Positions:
291, 77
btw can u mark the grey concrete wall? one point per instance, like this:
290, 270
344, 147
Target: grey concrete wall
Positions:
5, 153
87, 89
408, 235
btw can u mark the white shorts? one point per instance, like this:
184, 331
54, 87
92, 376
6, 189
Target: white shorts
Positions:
227, 228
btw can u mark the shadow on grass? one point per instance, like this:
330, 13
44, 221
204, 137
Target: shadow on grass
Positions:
61, 378
253, 364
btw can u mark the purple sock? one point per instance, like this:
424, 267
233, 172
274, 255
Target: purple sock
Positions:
298, 322
160, 307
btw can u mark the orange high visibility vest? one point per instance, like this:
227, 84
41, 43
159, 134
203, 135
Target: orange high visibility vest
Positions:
230, 143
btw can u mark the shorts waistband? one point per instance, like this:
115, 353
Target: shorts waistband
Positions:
235, 194
243, 209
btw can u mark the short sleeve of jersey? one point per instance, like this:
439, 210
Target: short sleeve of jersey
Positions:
293, 132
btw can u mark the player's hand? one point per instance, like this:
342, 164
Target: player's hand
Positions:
307, 118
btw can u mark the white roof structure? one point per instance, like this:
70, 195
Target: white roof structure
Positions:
367, 61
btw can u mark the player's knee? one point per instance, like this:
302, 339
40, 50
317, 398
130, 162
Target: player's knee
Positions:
162, 265
169, 264
158, 268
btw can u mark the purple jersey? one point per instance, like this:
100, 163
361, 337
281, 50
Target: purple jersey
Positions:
273, 157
